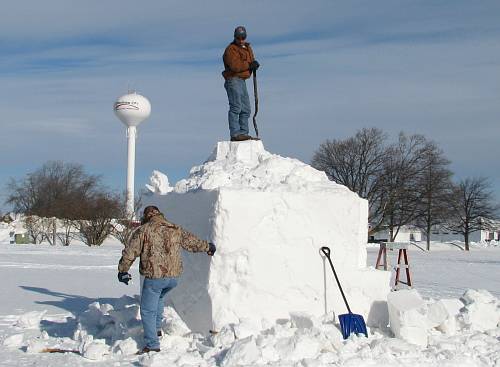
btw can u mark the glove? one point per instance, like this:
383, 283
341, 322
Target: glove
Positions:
254, 65
211, 249
124, 277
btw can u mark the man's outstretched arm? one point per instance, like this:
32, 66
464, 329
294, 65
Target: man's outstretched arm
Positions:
192, 243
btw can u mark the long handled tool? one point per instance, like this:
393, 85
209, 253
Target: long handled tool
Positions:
256, 102
59, 350
350, 322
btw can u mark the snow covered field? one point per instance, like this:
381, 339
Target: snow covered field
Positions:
46, 292
446, 271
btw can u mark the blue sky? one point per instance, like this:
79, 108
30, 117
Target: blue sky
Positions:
328, 69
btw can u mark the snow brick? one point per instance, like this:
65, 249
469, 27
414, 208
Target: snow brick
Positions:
242, 352
482, 310
407, 315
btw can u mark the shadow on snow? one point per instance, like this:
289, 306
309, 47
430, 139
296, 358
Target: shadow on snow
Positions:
75, 304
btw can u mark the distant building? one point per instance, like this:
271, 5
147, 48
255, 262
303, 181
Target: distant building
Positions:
7, 218
405, 234
490, 232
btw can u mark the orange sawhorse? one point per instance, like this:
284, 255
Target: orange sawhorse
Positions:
402, 248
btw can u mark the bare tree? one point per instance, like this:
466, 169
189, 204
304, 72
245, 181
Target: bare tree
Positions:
395, 205
95, 218
34, 228
65, 234
389, 176
56, 190
472, 206
51, 191
435, 185
49, 228
356, 162
125, 226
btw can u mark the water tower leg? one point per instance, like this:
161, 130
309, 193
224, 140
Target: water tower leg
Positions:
131, 134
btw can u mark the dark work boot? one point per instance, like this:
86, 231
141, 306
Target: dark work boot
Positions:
251, 138
241, 137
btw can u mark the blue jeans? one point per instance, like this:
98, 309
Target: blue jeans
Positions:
239, 106
152, 304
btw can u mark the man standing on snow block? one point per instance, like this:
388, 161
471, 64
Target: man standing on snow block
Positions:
239, 64
158, 243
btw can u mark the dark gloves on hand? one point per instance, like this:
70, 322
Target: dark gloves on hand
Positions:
254, 65
124, 277
211, 249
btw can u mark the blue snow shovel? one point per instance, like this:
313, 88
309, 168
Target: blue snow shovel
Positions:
349, 322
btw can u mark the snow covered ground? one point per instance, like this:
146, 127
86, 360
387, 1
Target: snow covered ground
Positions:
48, 297
447, 271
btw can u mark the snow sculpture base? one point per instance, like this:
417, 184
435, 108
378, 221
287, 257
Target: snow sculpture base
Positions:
269, 216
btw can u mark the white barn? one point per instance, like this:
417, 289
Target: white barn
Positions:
490, 232
405, 234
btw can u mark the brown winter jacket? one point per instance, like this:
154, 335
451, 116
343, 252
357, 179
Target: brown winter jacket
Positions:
237, 61
158, 243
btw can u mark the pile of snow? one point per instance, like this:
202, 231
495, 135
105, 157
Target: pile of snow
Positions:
110, 332
484, 244
482, 310
247, 165
269, 216
415, 320
30, 319
14, 341
103, 331
111, 322
159, 183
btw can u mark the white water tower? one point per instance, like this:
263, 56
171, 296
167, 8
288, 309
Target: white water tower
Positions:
131, 109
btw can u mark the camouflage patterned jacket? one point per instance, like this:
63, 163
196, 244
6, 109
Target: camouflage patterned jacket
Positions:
158, 243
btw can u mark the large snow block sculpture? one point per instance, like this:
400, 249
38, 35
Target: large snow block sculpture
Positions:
269, 216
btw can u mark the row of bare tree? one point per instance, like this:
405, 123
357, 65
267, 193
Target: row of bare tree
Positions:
407, 182
61, 202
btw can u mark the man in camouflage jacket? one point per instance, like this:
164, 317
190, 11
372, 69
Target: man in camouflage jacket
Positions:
158, 243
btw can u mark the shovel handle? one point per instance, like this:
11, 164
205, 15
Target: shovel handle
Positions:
326, 251
256, 98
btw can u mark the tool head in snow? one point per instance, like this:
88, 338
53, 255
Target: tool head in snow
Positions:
350, 323
240, 32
